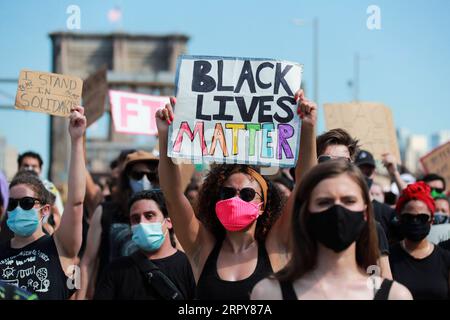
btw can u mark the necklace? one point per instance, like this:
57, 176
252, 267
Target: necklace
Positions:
428, 250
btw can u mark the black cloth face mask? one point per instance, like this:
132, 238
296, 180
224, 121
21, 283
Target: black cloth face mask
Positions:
337, 227
415, 227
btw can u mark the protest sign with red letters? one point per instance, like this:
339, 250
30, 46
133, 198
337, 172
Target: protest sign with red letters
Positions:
236, 110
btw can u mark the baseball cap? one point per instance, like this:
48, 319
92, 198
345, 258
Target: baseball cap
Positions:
365, 158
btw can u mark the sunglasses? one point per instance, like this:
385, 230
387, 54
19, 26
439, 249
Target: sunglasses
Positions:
437, 192
246, 194
324, 158
26, 203
138, 175
409, 217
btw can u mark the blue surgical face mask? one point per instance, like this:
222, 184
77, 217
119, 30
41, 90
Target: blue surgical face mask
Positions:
148, 236
23, 222
140, 185
440, 218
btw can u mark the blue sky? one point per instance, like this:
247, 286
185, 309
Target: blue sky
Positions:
404, 65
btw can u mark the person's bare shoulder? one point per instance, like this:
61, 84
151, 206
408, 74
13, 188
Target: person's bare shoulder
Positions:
399, 292
267, 289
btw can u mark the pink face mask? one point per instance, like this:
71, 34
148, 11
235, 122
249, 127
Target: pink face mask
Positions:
235, 214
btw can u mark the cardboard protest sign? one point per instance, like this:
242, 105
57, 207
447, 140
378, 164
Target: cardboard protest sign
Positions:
134, 113
438, 161
236, 110
371, 123
95, 89
50, 93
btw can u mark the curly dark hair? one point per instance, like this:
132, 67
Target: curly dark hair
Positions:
209, 196
31, 179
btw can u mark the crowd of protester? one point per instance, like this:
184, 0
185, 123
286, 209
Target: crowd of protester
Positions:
326, 229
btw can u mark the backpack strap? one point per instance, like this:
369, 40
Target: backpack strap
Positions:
156, 278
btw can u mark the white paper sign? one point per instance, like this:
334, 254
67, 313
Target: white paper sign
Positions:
134, 113
236, 110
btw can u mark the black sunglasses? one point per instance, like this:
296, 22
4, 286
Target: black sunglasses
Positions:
26, 203
246, 194
324, 158
138, 175
409, 217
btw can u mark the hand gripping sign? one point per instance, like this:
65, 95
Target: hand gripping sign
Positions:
236, 110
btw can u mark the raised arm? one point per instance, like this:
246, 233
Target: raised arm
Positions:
307, 158
190, 232
390, 163
68, 237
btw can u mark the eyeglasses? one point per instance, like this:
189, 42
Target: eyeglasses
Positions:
324, 158
246, 194
26, 203
414, 218
138, 175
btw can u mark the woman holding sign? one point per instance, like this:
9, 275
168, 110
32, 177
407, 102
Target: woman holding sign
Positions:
32, 260
238, 236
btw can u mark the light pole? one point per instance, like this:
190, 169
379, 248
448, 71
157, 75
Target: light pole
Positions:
316, 58
315, 53
355, 82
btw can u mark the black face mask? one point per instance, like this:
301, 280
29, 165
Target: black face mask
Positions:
414, 230
337, 227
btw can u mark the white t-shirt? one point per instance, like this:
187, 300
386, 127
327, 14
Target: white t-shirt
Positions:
439, 233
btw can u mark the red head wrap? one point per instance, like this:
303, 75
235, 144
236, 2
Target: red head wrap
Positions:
416, 191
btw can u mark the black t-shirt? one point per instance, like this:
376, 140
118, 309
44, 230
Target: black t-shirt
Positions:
383, 243
116, 236
35, 268
445, 244
426, 278
122, 279
384, 215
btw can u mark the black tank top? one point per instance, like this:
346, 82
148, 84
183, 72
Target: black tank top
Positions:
35, 268
288, 292
211, 287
